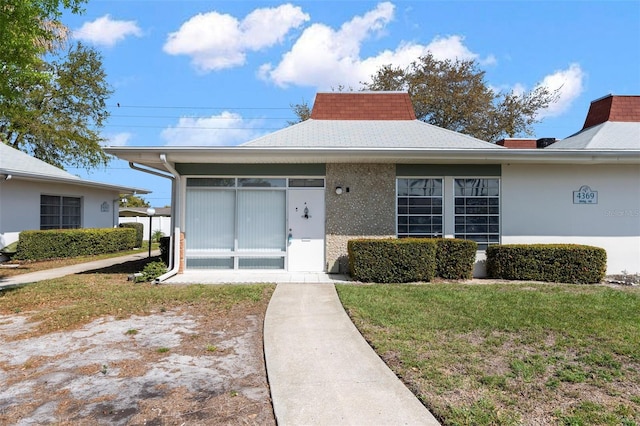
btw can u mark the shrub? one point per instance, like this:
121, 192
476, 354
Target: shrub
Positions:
567, 263
392, 260
152, 271
139, 228
156, 235
455, 258
165, 249
60, 243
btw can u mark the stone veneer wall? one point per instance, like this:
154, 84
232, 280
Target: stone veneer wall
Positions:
366, 210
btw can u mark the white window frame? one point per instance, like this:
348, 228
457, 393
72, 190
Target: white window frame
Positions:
449, 207
237, 254
408, 215
493, 210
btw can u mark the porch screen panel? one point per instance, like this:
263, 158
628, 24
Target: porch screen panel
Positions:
210, 219
261, 220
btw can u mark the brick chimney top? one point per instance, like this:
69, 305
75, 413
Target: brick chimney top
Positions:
363, 106
613, 108
517, 143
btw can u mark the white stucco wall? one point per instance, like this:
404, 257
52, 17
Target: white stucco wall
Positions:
537, 207
20, 206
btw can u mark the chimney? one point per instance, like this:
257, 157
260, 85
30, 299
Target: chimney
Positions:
363, 106
613, 108
517, 143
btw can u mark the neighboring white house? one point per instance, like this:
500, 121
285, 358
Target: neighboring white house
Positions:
160, 221
37, 195
363, 166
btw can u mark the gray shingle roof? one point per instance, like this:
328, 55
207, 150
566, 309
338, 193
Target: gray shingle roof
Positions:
18, 164
610, 135
14, 161
368, 134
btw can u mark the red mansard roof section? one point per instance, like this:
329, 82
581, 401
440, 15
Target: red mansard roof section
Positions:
363, 106
613, 108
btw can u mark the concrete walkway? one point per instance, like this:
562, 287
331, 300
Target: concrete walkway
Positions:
321, 370
50, 274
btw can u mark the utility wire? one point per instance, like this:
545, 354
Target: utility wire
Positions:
198, 116
118, 105
191, 127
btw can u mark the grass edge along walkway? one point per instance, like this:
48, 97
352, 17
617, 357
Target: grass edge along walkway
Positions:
507, 354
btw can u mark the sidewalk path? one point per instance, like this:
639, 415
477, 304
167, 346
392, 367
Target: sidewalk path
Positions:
321, 371
49, 274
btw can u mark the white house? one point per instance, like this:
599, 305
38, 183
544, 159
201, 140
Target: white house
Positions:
363, 166
37, 195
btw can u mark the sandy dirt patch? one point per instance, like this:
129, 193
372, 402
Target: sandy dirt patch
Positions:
169, 368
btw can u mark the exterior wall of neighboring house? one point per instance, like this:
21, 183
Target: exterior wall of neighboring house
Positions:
20, 206
538, 207
158, 223
366, 208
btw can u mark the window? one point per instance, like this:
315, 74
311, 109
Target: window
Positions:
477, 210
419, 207
235, 223
58, 212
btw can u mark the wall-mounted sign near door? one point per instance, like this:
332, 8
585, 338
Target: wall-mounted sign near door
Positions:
585, 195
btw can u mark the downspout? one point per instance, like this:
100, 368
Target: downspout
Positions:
175, 202
175, 248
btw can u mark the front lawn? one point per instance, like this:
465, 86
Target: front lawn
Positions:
95, 348
509, 354
19, 267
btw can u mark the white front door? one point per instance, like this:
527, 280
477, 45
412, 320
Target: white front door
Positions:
305, 247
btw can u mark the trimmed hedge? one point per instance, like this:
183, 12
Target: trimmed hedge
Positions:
60, 243
139, 227
392, 260
455, 258
563, 263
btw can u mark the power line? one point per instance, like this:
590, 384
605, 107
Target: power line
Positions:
118, 105
191, 127
199, 116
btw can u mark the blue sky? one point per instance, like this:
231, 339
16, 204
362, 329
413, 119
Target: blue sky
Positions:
196, 72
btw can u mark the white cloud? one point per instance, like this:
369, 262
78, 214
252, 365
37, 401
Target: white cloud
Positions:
324, 57
107, 32
119, 139
218, 130
216, 41
569, 83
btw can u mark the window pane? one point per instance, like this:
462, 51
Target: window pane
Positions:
261, 183
261, 263
261, 220
306, 183
419, 204
210, 263
477, 210
210, 219
214, 182
403, 187
58, 212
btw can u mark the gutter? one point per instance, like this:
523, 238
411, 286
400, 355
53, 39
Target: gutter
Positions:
175, 248
151, 172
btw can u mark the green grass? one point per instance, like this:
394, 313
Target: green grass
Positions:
508, 354
26, 267
79, 299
